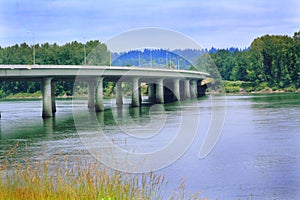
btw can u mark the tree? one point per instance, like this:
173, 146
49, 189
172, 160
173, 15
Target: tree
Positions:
99, 55
273, 59
49, 54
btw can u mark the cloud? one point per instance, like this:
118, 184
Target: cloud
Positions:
66, 20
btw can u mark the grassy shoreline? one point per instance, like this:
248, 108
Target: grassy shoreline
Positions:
62, 177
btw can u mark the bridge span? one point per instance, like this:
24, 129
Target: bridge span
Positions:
164, 85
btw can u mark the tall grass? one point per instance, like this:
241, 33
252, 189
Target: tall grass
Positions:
63, 177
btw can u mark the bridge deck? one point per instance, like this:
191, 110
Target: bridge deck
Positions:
20, 72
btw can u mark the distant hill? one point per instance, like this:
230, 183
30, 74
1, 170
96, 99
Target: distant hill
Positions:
161, 58
156, 58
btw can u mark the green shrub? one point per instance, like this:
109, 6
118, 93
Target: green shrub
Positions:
262, 86
2, 94
232, 89
26, 95
290, 89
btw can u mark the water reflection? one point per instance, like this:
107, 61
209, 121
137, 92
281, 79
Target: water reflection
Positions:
276, 100
48, 126
126, 115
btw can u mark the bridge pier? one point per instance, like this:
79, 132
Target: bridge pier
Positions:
47, 97
151, 92
53, 88
99, 105
176, 89
135, 92
140, 92
91, 94
119, 97
186, 89
193, 89
160, 91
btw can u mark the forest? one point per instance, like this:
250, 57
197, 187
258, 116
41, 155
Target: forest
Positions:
271, 61
72, 53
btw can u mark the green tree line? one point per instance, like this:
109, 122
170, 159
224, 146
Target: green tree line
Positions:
73, 53
271, 61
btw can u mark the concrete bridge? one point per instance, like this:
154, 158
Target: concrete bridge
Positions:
164, 85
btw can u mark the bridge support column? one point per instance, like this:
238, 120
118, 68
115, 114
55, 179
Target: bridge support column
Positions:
53, 88
48, 125
119, 97
47, 97
99, 105
160, 91
193, 89
187, 93
135, 92
151, 92
176, 89
91, 94
140, 92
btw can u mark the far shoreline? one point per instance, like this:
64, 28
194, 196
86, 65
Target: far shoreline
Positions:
258, 92
84, 97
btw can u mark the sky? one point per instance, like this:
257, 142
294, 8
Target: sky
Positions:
210, 23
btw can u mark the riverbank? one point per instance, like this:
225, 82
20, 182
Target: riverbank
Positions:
231, 87
243, 87
26, 96
82, 180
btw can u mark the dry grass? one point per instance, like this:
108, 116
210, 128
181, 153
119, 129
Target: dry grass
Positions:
63, 177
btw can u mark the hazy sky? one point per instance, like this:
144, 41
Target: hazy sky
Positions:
218, 23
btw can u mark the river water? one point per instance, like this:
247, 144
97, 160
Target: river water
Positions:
256, 157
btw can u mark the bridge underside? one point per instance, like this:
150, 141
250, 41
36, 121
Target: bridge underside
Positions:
158, 91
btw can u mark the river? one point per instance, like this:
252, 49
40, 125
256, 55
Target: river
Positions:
256, 157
